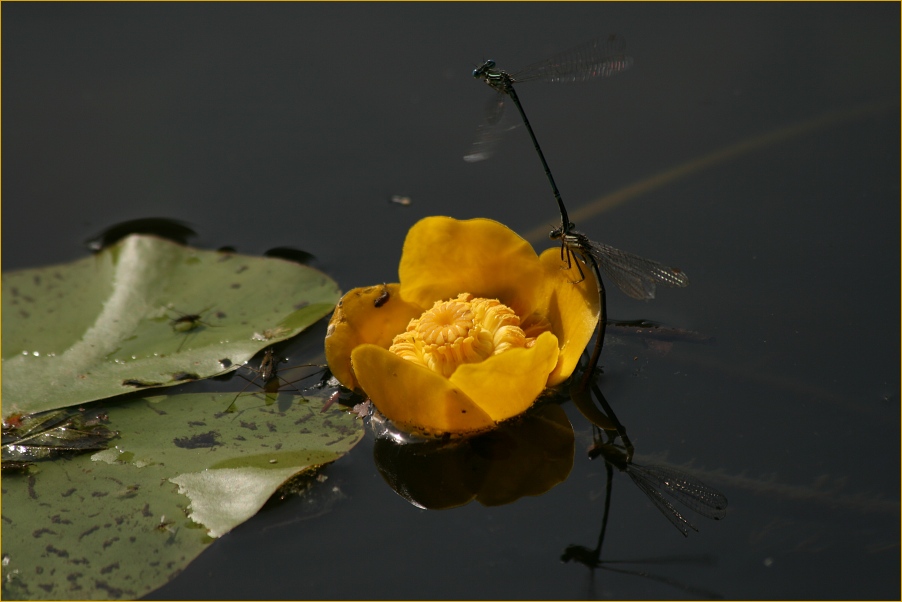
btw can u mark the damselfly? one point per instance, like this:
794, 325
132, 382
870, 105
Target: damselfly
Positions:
664, 485
634, 275
596, 58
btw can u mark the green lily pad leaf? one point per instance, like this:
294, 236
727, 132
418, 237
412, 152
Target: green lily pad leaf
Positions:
121, 522
223, 498
146, 312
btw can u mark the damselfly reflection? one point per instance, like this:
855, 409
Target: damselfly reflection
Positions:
592, 557
266, 377
664, 485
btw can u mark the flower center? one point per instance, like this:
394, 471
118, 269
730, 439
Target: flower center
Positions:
464, 330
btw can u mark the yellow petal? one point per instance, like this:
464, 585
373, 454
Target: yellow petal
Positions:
572, 309
443, 256
506, 384
365, 315
414, 397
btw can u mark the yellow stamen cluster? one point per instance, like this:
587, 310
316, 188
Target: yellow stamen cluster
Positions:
464, 330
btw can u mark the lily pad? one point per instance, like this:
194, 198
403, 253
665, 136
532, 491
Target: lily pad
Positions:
146, 312
122, 522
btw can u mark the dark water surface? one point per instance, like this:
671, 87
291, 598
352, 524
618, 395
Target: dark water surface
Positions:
267, 125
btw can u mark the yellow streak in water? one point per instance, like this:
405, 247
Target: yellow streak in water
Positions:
722, 155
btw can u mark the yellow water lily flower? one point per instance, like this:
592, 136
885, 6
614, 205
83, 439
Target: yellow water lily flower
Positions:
477, 327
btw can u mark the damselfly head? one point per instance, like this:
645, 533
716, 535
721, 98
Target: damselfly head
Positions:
481, 71
561, 232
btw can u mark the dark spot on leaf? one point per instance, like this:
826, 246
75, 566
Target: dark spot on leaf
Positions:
59, 520
243, 268
129, 492
47, 587
73, 576
52, 550
109, 542
240, 438
114, 592
109, 568
39, 570
145, 511
88, 532
196, 423
69, 492
81, 560
271, 427
202, 440
132, 539
133, 382
99, 494
225, 362
248, 425
236, 285
42, 531
31, 491
185, 376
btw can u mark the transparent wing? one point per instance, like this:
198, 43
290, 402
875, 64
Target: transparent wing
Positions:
634, 275
660, 482
490, 132
648, 487
688, 491
601, 57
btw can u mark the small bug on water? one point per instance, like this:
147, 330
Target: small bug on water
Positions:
187, 323
267, 374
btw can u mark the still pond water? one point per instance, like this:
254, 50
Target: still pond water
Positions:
754, 145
